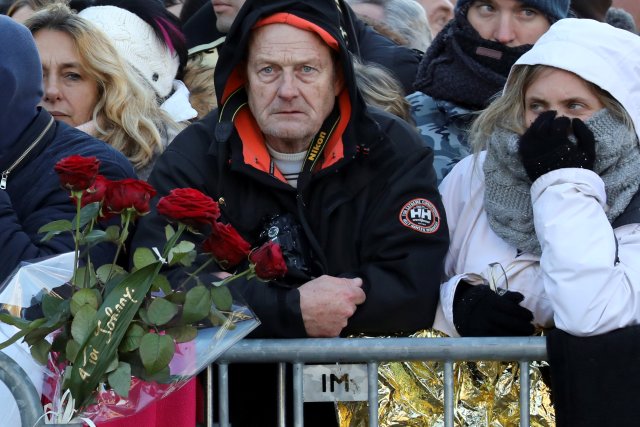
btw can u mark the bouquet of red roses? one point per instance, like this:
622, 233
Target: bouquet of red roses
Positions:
117, 339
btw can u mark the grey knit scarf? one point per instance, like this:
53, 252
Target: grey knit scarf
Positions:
507, 198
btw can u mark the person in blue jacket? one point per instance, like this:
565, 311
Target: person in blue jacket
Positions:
31, 143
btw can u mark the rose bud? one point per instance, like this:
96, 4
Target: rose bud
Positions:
77, 173
129, 193
269, 262
189, 206
226, 245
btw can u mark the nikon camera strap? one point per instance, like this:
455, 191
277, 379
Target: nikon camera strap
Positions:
316, 148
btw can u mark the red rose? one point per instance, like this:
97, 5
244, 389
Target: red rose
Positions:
189, 206
96, 192
128, 193
77, 173
269, 262
226, 245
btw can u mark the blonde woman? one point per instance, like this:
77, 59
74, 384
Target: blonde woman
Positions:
88, 85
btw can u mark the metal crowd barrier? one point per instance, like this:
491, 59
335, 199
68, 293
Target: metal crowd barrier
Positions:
25, 394
371, 351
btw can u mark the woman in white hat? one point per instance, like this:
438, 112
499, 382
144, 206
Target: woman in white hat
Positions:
88, 85
542, 231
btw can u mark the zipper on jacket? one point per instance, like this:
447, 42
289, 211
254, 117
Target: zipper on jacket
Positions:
5, 174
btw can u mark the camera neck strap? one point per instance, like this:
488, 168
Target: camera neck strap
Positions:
317, 146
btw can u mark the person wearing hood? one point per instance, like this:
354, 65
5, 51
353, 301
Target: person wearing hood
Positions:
293, 145
547, 220
468, 63
32, 143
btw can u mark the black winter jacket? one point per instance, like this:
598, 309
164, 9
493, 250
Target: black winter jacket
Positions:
371, 204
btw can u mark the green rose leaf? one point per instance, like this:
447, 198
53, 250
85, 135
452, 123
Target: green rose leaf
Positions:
161, 311
222, 298
51, 305
90, 297
142, 312
143, 257
83, 323
120, 379
197, 304
85, 277
94, 237
108, 272
156, 351
112, 233
72, 350
40, 351
26, 329
180, 251
113, 365
54, 228
183, 333
87, 213
169, 232
178, 297
161, 282
132, 338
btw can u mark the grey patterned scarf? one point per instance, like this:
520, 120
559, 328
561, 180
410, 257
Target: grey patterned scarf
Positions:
507, 198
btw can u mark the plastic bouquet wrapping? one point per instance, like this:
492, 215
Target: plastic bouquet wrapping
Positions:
109, 341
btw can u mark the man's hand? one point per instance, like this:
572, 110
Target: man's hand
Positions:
327, 303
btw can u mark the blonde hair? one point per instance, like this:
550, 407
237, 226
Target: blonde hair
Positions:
127, 115
507, 111
381, 89
32, 4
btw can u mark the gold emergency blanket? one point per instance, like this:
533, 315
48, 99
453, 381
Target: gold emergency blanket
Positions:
411, 394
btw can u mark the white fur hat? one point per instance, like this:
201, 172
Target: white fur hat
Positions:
136, 42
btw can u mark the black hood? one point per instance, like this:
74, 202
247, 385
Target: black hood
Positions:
20, 81
328, 16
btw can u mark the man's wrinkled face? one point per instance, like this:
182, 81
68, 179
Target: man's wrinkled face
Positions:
226, 12
292, 83
509, 22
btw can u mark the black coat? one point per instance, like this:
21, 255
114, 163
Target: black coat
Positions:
353, 209
360, 205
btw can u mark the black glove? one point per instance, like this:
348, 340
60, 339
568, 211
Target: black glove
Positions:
546, 146
480, 312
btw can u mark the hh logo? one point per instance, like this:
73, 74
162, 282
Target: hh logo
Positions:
420, 215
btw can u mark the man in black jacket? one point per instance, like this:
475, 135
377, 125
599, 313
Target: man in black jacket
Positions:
293, 142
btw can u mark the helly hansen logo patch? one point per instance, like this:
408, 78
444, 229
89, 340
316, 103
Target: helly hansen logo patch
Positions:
420, 215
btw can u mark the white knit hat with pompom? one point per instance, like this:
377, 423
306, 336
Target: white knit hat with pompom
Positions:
136, 42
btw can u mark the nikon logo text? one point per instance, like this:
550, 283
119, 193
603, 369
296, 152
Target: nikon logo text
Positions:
316, 147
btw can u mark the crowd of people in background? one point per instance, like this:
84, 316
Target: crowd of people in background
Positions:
453, 137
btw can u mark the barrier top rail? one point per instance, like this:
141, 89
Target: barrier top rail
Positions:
331, 350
